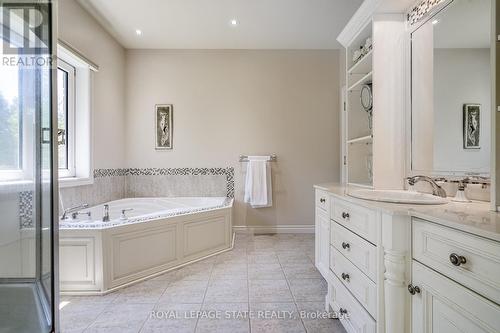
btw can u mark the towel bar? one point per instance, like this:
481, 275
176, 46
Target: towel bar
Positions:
272, 158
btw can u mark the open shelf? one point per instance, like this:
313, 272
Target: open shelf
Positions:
365, 79
363, 139
363, 66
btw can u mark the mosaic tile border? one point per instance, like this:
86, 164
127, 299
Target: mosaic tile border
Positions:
104, 225
228, 172
26, 209
420, 10
98, 173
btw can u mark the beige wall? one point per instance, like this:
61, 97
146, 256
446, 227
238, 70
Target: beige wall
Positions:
81, 31
228, 103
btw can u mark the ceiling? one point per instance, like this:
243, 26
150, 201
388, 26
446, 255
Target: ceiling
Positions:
206, 24
463, 24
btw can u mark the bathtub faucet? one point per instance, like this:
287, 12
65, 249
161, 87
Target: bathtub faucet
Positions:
123, 216
105, 217
72, 210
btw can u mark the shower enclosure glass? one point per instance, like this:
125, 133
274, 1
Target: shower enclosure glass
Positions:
28, 293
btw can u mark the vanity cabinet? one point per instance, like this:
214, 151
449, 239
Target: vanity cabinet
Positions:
442, 305
391, 271
346, 255
455, 280
322, 231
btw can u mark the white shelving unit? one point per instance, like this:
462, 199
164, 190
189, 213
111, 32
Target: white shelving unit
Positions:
374, 154
359, 136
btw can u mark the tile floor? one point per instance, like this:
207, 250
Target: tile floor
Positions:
267, 283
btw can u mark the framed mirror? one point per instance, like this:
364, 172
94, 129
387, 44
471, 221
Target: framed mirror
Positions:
451, 87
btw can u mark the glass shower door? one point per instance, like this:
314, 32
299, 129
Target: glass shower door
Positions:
27, 175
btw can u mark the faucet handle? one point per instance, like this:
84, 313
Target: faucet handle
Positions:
410, 180
123, 216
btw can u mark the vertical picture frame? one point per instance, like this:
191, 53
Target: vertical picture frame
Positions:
163, 126
472, 126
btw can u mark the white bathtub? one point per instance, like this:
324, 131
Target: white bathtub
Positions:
157, 235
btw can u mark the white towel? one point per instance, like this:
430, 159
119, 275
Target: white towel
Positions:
258, 182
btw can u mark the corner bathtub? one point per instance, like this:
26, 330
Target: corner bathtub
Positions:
156, 235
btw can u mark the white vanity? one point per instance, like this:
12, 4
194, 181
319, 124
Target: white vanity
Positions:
418, 104
408, 268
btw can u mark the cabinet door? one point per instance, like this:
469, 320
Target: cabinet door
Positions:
444, 306
322, 241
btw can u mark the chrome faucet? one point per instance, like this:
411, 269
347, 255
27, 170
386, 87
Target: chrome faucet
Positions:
72, 210
74, 215
105, 217
436, 189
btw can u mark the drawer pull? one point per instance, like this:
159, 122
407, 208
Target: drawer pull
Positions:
345, 215
322, 200
343, 311
457, 260
413, 289
345, 245
345, 277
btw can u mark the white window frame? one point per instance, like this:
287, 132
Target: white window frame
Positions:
79, 131
70, 171
82, 155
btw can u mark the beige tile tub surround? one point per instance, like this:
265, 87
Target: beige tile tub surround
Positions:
210, 286
114, 184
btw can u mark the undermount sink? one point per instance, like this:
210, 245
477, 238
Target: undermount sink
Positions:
398, 196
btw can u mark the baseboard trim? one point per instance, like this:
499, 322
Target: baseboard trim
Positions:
275, 229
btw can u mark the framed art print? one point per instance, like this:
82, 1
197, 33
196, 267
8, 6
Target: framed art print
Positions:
163, 126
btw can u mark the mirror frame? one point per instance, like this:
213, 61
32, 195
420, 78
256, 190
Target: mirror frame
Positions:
438, 8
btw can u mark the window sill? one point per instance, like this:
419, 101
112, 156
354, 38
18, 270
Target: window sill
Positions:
75, 181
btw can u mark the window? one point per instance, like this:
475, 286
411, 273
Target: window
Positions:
65, 119
18, 109
74, 117
10, 128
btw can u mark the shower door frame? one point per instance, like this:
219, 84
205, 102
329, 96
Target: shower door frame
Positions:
49, 300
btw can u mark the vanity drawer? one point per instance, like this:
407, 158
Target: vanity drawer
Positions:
356, 320
361, 253
433, 245
322, 200
359, 220
358, 283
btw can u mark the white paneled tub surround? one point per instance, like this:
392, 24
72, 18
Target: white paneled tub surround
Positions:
157, 235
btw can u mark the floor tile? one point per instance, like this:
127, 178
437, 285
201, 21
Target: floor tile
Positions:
269, 291
265, 272
275, 317
175, 318
75, 317
269, 271
104, 299
184, 292
308, 290
232, 257
195, 272
317, 320
227, 291
301, 271
144, 292
121, 318
293, 258
230, 271
263, 258
230, 318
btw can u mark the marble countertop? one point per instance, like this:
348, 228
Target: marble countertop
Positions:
475, 217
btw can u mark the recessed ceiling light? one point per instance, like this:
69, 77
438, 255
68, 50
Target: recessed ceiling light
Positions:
435, 22
234, 22
138, 32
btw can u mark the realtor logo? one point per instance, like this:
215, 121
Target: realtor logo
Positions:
26, 27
